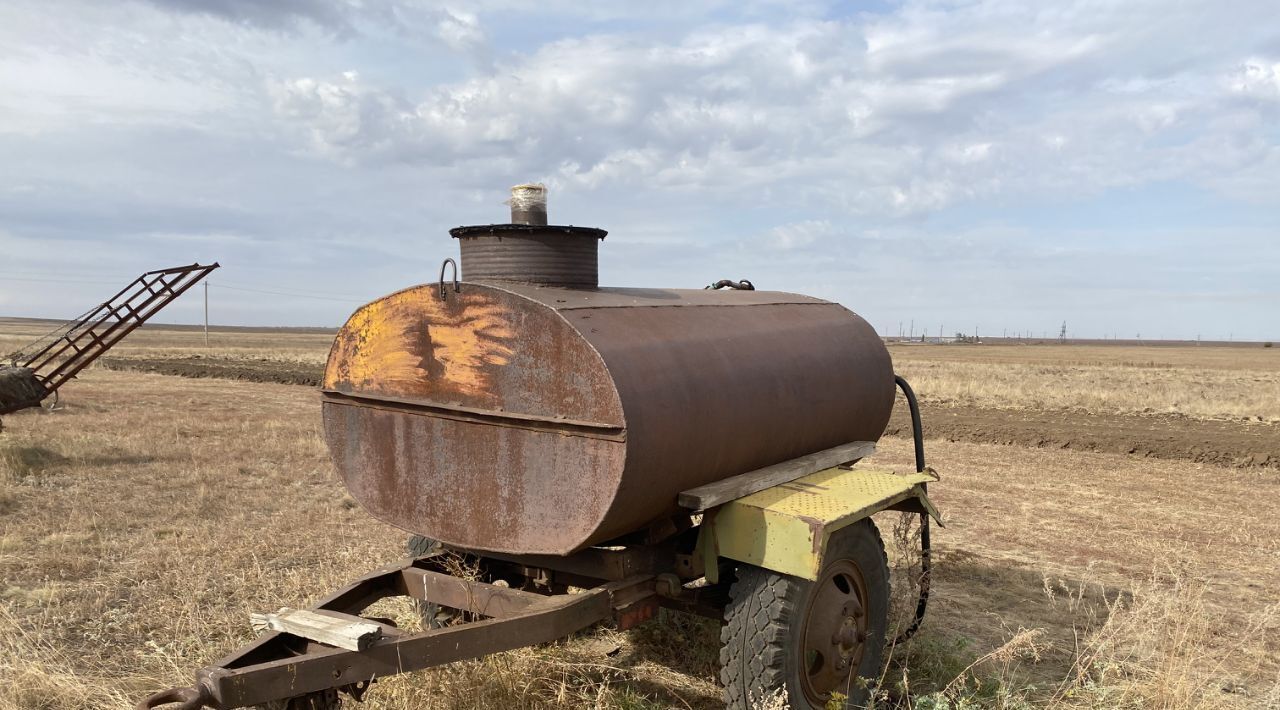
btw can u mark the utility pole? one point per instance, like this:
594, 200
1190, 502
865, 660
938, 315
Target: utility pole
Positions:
913, 329
206, 314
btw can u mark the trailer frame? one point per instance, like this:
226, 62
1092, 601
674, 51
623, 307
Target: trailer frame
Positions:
504, 602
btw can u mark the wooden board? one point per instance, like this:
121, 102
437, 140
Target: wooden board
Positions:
721, 492
350, 632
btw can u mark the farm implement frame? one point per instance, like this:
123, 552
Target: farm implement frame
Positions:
38, 371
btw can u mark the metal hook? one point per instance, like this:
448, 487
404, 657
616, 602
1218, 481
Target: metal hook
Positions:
456, 285
189, 699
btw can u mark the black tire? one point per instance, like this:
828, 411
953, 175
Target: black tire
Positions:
432, 615
764, 649
419, 546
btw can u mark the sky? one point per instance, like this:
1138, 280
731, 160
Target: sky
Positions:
998, 166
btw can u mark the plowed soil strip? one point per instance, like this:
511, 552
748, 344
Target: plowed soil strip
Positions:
1159, 436
285, 373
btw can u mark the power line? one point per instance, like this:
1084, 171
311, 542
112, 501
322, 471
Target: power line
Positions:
59, 281
301, 293
291, 295
58, 273
289, 290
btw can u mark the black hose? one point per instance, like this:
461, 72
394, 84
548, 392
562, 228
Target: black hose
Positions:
743, 285
917, 435
917, 430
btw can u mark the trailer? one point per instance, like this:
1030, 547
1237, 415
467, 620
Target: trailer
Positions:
593, 455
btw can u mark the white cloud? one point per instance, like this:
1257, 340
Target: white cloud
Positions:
1257, 77
896, 115
328, 136
460, 29
798, 235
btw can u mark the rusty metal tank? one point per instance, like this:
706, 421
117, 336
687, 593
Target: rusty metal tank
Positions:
526, 410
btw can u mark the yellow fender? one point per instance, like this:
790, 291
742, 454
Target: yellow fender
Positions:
786, 528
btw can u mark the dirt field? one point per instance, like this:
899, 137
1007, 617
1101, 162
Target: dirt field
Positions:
1078, 398
145, 521
1171, 436
1160, 436
284, 372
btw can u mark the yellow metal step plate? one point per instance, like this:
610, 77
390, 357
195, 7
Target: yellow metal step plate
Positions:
785, 528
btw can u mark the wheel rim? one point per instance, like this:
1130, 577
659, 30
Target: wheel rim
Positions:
835, 631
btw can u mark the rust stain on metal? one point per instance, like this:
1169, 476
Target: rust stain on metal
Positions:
412, 336
636, 613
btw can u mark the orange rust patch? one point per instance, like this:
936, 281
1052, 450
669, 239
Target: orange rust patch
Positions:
470, 341
412, 340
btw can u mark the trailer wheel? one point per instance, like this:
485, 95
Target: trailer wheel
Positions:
808, 639
419, 545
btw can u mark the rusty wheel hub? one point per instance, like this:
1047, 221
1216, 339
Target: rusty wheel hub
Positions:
835, 631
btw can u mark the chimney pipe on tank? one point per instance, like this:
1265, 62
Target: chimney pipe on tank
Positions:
529, 204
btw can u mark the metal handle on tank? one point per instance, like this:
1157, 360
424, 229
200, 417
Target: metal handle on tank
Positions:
456, 286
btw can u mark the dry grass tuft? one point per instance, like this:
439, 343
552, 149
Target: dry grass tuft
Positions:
1162, 646
1158, 645
38, 674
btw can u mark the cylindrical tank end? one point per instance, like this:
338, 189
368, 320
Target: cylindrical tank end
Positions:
529, 204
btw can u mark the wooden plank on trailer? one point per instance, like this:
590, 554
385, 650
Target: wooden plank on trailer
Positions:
740, 486
342, 630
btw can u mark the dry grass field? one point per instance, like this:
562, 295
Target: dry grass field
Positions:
300, 345
1215, 383
144, 521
